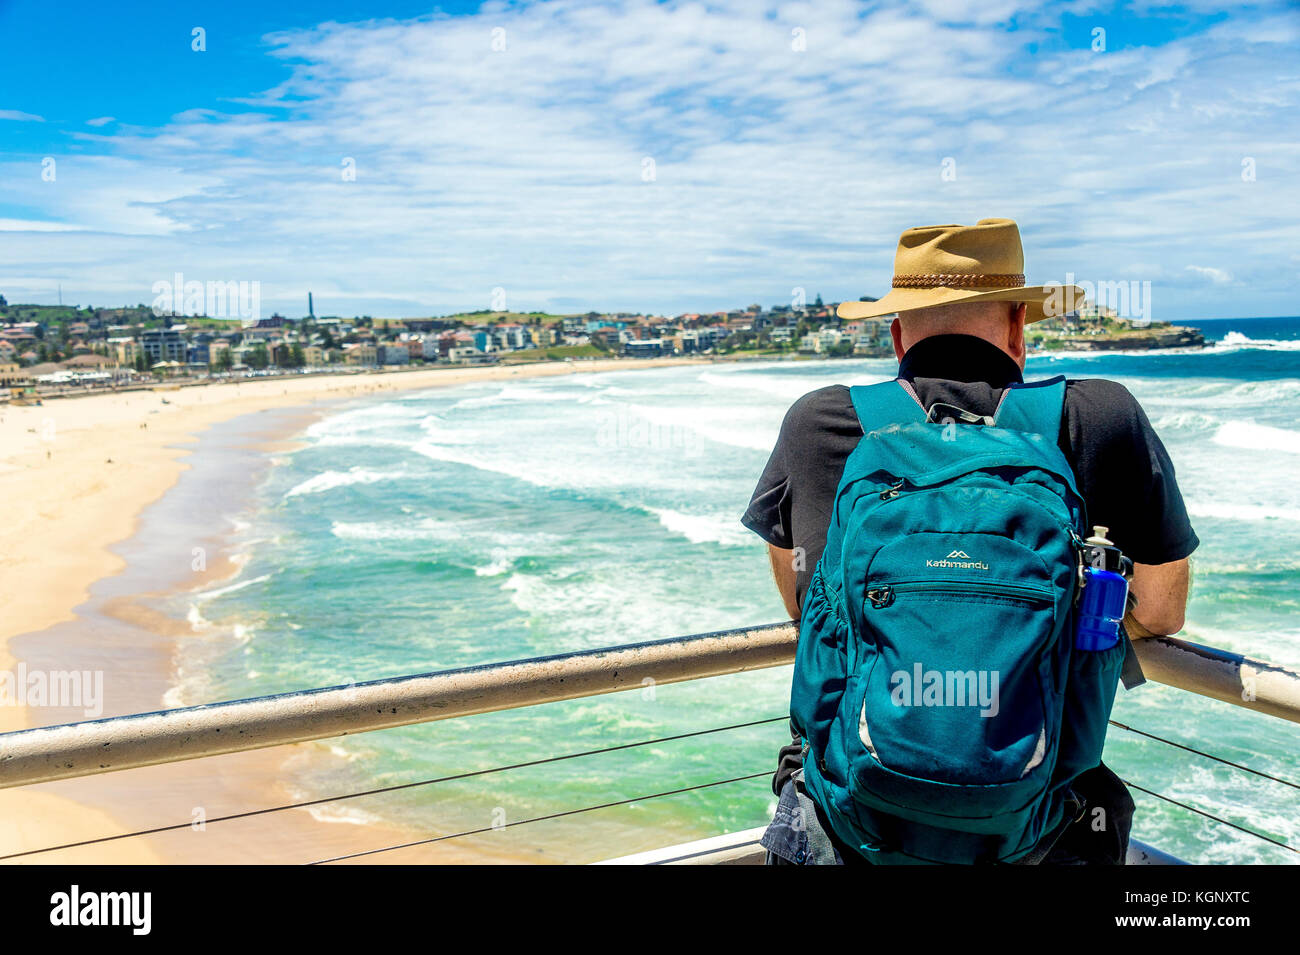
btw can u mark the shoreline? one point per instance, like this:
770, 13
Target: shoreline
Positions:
85, 473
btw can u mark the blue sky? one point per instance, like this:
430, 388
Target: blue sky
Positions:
639, 155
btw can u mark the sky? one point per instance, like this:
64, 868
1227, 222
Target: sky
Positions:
400, 159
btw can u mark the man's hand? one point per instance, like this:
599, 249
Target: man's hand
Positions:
784, 574
1161, 591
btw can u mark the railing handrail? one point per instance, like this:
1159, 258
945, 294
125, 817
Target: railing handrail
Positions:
126, 742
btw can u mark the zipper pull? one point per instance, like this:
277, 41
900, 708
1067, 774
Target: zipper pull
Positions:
881, 597
892, 490
1081, 570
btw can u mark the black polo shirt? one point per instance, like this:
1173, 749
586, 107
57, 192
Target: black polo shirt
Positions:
1120, 467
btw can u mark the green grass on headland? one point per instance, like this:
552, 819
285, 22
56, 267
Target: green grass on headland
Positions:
55, 316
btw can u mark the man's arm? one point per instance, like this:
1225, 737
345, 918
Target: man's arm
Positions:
784, 574
1161, 591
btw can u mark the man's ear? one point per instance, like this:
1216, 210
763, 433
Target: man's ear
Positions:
1016, 334
896, 333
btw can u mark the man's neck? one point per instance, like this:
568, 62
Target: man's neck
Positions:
959, 358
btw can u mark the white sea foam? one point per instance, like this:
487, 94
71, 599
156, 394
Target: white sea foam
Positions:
347, 423
334, 813
1238, 340
362, 441
329, 480
581, 471
502, 548
1242, 512
517, 393
436, 428
676, 427
503, 561
426, 529
600, 612
348, 756
174, 697
462, 455
231, 588
1257, 437
787, 388
1216, 395
704, 528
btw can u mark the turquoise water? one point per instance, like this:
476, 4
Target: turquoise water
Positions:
510, 519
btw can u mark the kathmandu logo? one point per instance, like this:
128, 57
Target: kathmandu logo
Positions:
958, 559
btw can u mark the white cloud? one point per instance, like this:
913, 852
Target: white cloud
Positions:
35, 225
1217, 276
101, 121
772, 168
20, 117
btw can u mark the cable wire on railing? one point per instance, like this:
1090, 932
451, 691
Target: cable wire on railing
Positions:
723, 782
553, 815
1217, 759
610, 749
388, 789
1210, 815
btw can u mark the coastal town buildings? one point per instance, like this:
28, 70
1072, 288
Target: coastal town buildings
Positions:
86, 347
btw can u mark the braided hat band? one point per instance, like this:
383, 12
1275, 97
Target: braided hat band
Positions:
960, 280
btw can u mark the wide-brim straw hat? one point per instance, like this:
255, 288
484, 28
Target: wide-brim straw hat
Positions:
946, 264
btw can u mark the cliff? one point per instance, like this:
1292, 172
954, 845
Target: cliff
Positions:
1133, 339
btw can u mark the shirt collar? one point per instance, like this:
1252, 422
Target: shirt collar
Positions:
959, 358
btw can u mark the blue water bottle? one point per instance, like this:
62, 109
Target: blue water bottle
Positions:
1105, 593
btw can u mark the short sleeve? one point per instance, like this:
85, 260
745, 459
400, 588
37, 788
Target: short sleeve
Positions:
1125, 474
791, 505
770, 506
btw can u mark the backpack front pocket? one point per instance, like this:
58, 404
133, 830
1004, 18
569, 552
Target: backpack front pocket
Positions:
959, 721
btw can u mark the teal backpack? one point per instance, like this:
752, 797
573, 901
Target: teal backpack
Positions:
943, 706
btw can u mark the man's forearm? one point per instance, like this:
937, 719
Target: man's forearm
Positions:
1133, 627
783, 573
1161, 591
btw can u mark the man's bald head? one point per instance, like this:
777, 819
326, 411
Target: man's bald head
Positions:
1000, 323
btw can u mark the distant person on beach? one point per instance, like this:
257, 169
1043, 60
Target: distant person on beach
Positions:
959, 335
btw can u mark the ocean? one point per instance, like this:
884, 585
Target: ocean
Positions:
504, 520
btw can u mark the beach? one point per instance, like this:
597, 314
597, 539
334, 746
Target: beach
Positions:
353, 535
78, 473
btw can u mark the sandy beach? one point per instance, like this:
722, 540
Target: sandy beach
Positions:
78, 472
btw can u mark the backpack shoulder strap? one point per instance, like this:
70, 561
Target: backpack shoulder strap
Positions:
886, 403
1034, 406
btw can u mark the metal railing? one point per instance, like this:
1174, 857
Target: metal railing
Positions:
126, 742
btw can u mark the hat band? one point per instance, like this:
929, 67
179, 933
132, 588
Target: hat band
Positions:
960, 280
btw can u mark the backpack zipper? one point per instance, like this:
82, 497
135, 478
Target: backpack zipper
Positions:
882, 596
892, 491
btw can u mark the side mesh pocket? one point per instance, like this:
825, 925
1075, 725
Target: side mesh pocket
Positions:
1089, 697
820, 666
